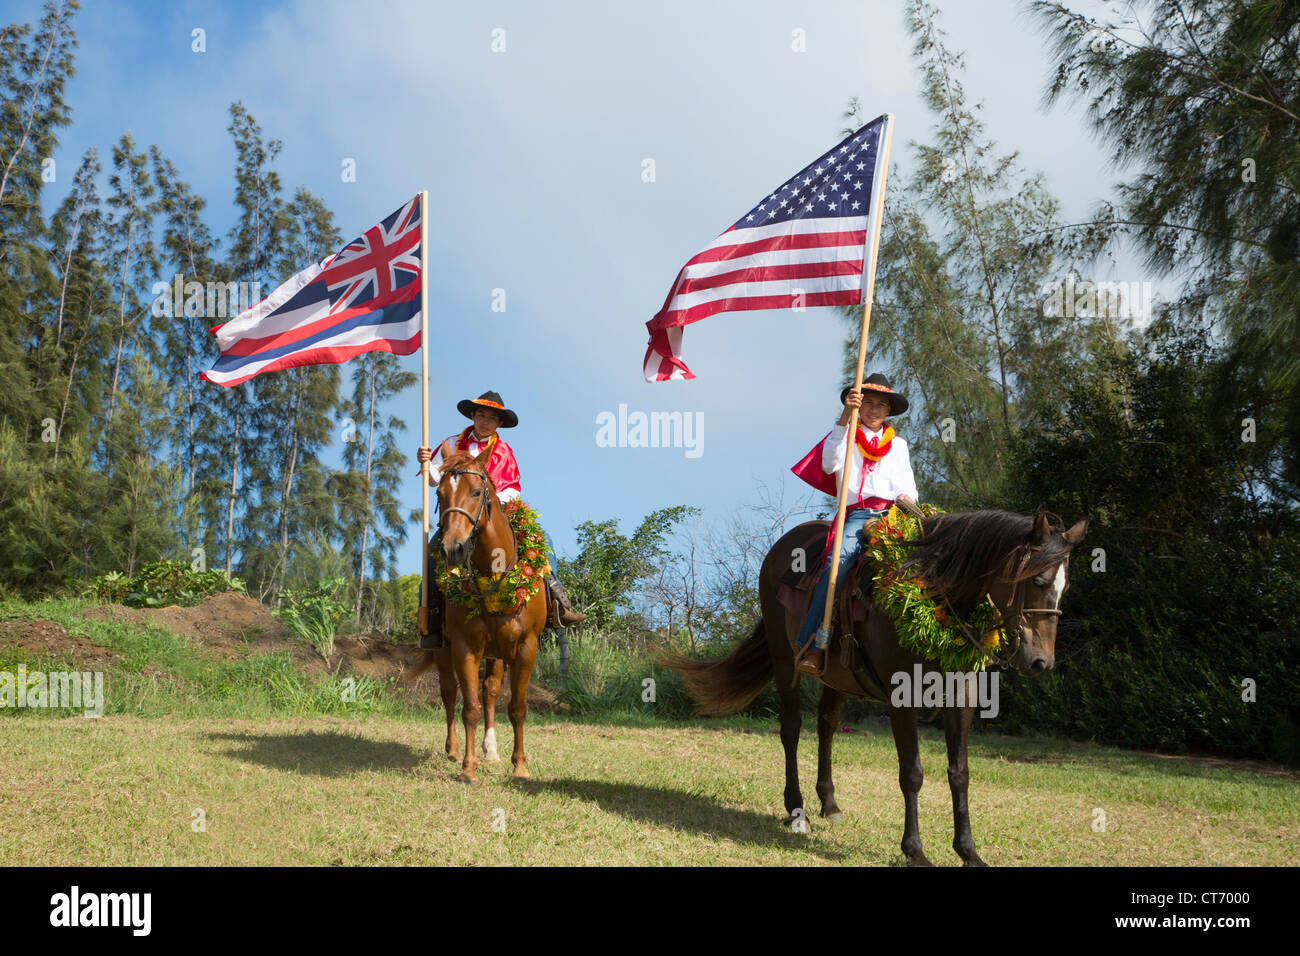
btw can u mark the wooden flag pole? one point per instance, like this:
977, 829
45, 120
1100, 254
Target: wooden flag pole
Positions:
823, 635
424, 407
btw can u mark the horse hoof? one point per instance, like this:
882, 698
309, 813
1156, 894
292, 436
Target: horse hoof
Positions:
491, 758
453, 756
466, 778
521, 773
919, 860
834, 818
974, 860
798, 822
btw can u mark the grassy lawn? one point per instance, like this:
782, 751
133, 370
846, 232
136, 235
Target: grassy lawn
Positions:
287, 770
122, 790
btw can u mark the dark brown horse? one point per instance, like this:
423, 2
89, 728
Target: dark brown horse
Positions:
1019, 562
476, 535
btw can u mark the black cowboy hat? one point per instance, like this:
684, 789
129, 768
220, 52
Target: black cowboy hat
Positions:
492, 402
878, 383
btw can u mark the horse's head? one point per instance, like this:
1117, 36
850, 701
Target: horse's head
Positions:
466, 497
1028, 592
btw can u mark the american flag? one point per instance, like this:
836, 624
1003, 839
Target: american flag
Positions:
364, 298
803, 244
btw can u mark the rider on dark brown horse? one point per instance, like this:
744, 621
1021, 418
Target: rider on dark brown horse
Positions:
488, 413
880, 472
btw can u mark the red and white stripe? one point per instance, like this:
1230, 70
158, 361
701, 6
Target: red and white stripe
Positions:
800, 262
808, 262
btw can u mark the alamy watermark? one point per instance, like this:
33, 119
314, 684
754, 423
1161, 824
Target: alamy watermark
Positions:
946, 689
626, 429
73, 690
1085, 298
130, 910
206, 300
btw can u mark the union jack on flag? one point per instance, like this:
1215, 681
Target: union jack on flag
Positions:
364, 298
804, 244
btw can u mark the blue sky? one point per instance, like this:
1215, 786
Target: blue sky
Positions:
533, 160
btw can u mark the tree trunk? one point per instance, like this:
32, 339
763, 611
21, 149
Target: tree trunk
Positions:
31, 109
286, 489
63, 287
121, 315
67, 391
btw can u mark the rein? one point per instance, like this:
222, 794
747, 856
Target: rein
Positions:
483, 508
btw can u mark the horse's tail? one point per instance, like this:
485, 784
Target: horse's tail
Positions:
726, 685
425, 661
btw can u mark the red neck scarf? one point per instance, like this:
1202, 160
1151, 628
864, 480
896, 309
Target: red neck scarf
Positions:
462, 443
874, 449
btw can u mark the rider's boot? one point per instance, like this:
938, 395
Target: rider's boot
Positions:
567, 616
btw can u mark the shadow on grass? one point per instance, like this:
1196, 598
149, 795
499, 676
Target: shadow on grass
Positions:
325, 754
688, 812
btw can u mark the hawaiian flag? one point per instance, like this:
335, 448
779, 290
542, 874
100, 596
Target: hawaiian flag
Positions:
804, 244
364, 298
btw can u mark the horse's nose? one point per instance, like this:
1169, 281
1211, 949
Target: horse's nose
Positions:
1040, 664
455, 553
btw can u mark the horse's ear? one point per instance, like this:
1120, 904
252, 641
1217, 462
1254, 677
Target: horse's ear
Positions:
1042, 527
445, 450
1075, 534
484, 455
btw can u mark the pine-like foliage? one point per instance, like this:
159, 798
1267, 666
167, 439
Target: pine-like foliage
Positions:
1200, 101
961, 322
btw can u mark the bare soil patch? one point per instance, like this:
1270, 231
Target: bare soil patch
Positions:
50, 639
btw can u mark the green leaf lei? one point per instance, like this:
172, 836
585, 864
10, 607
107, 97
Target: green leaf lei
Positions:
923, 626
521, 582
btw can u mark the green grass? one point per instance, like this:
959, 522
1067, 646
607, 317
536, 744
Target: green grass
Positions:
123, 791
288, 771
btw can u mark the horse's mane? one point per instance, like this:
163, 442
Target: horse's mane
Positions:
960, 555
457, 459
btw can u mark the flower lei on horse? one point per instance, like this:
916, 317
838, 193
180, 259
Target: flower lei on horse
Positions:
923, 625
500, 593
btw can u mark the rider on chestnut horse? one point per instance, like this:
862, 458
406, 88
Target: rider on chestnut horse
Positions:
488, 413
880, 472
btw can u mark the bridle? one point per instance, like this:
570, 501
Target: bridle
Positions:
1004, 657
484, 507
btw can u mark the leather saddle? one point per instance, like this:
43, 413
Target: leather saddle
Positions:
848, 667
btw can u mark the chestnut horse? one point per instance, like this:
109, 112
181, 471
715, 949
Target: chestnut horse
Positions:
1019, 562
477, 535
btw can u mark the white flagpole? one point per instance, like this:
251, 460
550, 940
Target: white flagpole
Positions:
424, 407
868, 292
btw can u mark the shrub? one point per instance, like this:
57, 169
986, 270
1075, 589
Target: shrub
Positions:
163, 583
313, 614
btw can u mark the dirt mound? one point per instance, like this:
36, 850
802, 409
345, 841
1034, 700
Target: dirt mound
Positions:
51, 640
229, 624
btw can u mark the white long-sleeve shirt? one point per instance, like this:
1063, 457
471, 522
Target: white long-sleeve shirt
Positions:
474, 447
891, 477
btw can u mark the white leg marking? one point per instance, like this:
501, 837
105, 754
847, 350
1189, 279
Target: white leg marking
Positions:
490, 746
